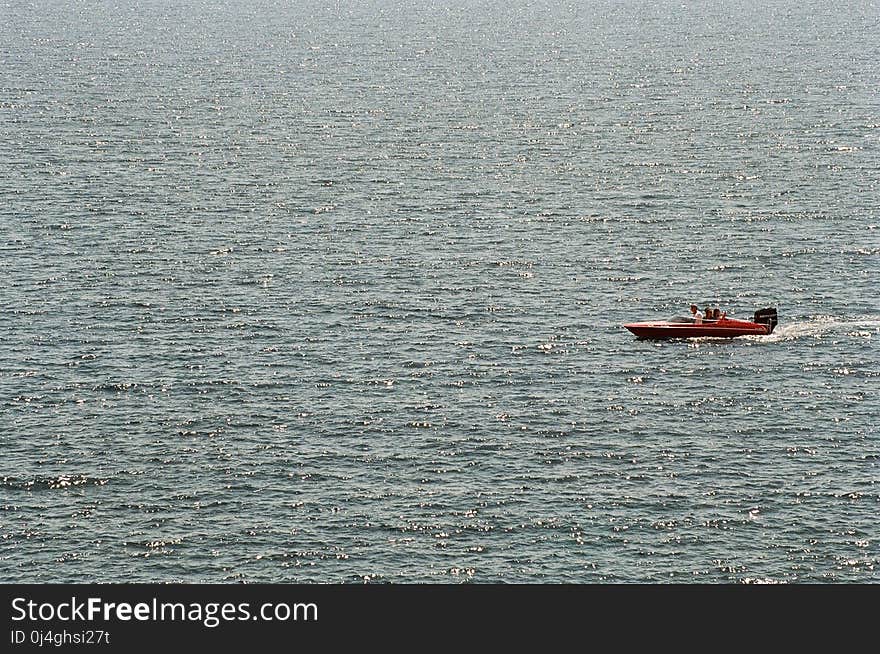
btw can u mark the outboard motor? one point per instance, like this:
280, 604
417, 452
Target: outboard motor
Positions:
767, 317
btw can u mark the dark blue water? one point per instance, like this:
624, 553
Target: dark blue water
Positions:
333, 291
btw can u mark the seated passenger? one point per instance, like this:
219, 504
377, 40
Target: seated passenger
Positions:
716, 314
708, 313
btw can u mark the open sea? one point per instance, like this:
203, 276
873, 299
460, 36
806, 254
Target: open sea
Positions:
320, 291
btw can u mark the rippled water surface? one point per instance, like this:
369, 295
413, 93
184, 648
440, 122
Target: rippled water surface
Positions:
333, 291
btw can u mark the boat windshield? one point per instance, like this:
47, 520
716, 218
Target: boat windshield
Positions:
681, 319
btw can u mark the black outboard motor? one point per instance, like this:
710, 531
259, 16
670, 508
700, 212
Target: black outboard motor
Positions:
767, 317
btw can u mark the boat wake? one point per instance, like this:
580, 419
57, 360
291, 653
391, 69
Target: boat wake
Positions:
818, 326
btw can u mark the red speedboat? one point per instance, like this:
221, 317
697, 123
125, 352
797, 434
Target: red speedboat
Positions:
763, 324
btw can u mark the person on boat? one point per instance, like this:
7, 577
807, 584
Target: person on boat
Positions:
707, 314
696, 315
716, 314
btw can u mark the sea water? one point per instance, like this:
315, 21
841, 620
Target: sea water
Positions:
334, 291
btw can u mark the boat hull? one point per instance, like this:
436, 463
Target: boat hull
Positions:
719, 329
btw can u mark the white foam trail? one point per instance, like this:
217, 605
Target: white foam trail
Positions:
817, 326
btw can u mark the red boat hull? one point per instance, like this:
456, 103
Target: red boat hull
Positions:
724, 328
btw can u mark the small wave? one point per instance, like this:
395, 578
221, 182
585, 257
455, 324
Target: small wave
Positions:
61, 481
